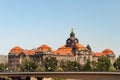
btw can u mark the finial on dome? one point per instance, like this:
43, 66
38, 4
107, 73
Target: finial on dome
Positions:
72, 30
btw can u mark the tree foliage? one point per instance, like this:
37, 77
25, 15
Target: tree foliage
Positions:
28, 65
117, 63
50, 63
59, 69
70, 66
40, 69
112, 69
2, 67
73, 66
87, 66
63, 65
94, 65
103, 64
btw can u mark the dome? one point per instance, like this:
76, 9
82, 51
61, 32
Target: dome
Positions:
104, 53
16, 50
107, 51
44, 48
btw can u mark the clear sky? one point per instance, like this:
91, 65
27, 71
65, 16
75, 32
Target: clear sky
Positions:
31, 23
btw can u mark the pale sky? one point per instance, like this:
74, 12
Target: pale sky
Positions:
31, 23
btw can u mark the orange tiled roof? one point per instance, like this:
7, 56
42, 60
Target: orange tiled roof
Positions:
99, 54
80, 46
68, 50
64, 51
16, 50
93, 53
29, 52
44, 48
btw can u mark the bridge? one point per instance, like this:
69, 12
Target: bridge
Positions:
70, 75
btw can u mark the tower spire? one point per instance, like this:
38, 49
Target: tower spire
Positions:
72, 34
72, 30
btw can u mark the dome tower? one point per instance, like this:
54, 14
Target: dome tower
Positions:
71, 41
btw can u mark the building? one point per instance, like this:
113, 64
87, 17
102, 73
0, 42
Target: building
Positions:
73, 50
3, 59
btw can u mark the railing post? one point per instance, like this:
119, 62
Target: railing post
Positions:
39, 78
27, 78
15, 78
2, 78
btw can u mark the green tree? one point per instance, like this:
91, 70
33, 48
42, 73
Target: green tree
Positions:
73, 66
50, 63
112, 69
2, 67
103, 64
87, 66
40, 69
59, 69
28, 65
63, 65
117, 63
94, 65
